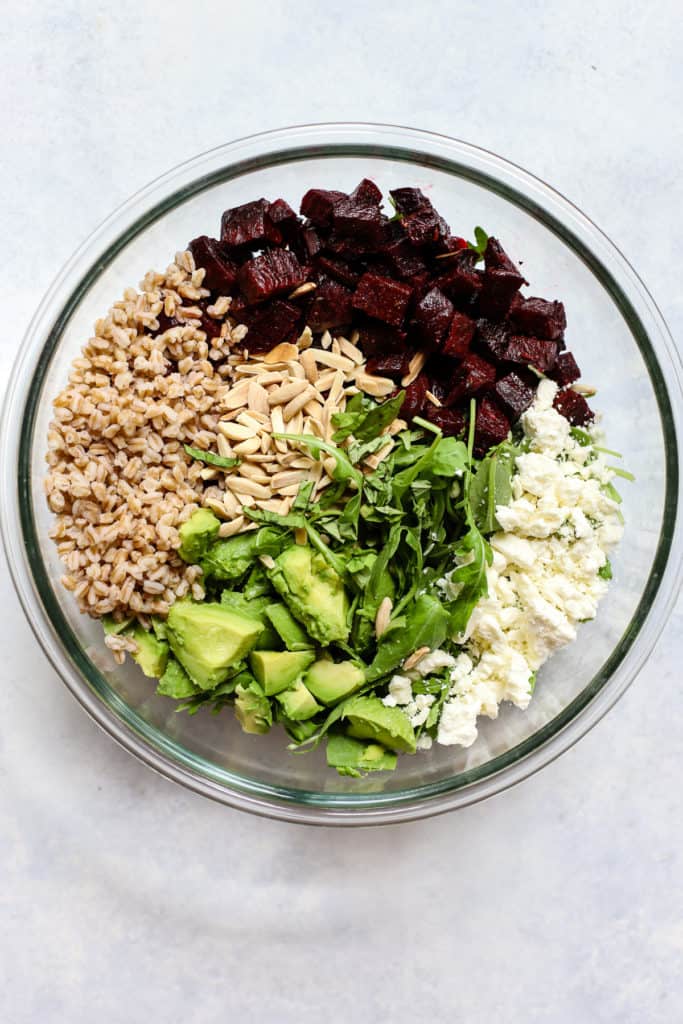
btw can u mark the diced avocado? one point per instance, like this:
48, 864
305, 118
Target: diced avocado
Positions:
313, 592
159, 628
298, 703
113, 628
152, 654
292, 634
175, 682
351, 757
230, 559
276, 670
370, 719
252, 708
196, 535
299, 731
329, 681
209, 639
255, 609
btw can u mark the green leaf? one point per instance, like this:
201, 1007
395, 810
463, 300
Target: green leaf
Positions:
480, 241
605, 572
582, 437
211, 459
344, 472
379, 418
424, 624
476, 555
491, 485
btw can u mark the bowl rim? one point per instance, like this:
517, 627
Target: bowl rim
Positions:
180, 183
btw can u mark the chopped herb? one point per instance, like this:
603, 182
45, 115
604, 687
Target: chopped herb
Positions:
211, 459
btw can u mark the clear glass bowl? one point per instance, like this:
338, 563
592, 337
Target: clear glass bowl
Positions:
621, 343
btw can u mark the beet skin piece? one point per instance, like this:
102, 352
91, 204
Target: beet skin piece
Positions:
573, 407
275, 272
318, 204
250, 225
330, 306
269, 325
451, 421
473, 376
565, 371
393, 365
431, 317
221, 272
459, 336
532, 352
538, 318
492, 427
382, 298
514, 394
379, 340
416, 396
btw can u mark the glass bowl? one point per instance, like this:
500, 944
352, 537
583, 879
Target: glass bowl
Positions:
621, 343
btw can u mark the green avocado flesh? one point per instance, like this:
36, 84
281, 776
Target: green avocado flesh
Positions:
276, 670
329, 681
152, 654
208, 639
298, 703
313, 592
369, 719
196, 535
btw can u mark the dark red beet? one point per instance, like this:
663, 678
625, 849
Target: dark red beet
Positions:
318, 203
424, 226
451, 421
270, 324
415, 398
474, 375
281, 213
404, 261
459, 336
382, 299
492, 339
440, 371
211, 326
459, 277
514, 394
378, 339
339, 270
431, 317
249, 224
275, 272
221, 272
502, 281
330, 306
357, 220
532, 352
538, 317
492, 426
408, 200
495, 258
165, 323
453, 244
565, 371
573, 407
311, 242
367, 192
394, 365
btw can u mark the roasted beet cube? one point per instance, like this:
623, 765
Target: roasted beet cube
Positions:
339, 270
452, 243
280, 212
318, 204
459, 277
211, 326
514, 394
393, 365
532, 352
431, 317
404, 261
408, 200
474, 376
495, 258
367, 192
311, 242
357, 219
502, 281
382, 299
270, 324
459, 336
378, 339
424, 226
492, 426
249, 224
538, 317
565, 371
275, 272
221, 272
440, 372
573, 407
492, 339
451, 421
165, 323
330, 306
415, 397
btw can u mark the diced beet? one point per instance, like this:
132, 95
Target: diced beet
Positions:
211, 326
492, 338
165, 323
339, 270
425, 226
408, 200
221, 272
249, 224
270, 324
453, 243
474, 375
459, 336
318, 203
492, 426
451, 421
514, 394
382, 299
495, 258
565, 371
393, 365
275, 272
440, 372
378, 339
459, 278
502, 281
280, 212
573, 407
330, 306
415, 398
366, 191
311, 242
432, 316
532, 352
358, 220
538, 317
405, 261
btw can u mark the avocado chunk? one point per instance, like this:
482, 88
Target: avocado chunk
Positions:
313, 592
209, 639
252, 708
298, 703
351, 757
254, 609
298, 731
230, 559
292, 634
196, 535
152, 654
369, 719
175, 682
329, 681
159, 628
276, 670
113, 628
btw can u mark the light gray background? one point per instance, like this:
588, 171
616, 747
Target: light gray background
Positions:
126, 899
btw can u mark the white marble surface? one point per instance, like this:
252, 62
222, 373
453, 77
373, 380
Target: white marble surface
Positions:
124, 898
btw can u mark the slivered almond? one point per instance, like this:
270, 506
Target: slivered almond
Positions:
312, 408
335, 347
383, 616
210, 473
355, 337
287, 477
297, 404
326, 339
310, 366
396, 427
303, 289
217, 507
257, 398
296, 423
415, 367
337, 388
251, 421
378, 387
285, 393
235, 431
252, 471
265, 378
374, 460
431, 397
231, 504
281, 353
278, 425
289, 492
296, 370
268, 561
241, 486
251, 369
272, 505
305, 339
351, 351
236, 396
588, 390
231, 528
334, 359
415, 658
326, 380
266, 442
224, 447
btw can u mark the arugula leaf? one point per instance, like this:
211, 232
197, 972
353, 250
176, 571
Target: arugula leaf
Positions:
581, 436
232, 558
475, 554
211, 459
424, 624
480, 242
605, 571
491, 485
303, 496
344, 471
353, 415
379, 418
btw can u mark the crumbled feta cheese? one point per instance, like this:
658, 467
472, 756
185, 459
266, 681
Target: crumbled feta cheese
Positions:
401, 689
434, 661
